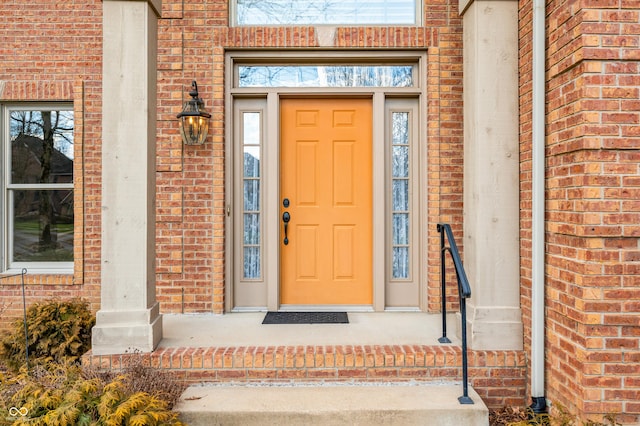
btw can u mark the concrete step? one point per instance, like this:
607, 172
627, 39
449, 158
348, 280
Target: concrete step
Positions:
329, 404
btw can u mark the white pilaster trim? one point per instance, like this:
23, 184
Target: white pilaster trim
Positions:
156, 5
463, 5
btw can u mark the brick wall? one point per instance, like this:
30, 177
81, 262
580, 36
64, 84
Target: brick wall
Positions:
525, 88
59, 59
593, 212
193, 38
52, 51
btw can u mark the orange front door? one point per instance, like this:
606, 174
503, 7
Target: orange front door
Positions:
326, 191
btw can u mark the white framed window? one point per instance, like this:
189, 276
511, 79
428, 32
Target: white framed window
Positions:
326, 12
36, 204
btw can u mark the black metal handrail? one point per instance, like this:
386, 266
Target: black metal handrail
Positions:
464, 292
24, 312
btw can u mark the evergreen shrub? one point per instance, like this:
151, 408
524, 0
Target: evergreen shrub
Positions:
58, 331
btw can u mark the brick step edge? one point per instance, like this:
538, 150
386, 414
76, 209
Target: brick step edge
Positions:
499, 377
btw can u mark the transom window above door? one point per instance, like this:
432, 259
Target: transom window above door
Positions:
325, 12
339, 75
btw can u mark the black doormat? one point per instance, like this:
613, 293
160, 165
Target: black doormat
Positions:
306, 318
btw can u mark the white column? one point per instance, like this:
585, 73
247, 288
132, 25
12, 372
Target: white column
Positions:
129, 317
491, 173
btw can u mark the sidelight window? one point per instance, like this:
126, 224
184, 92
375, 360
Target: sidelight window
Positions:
251, 180
400, 204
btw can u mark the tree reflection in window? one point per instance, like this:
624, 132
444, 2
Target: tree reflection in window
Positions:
400, 208
318, 12
251, 195
325, 76
40, 185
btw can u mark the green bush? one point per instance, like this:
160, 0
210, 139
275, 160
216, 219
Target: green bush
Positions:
58, 331
56, 391
59, 395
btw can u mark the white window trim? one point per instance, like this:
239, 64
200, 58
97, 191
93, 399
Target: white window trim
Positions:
6, 225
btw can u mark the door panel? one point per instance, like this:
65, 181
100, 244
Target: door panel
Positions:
326, 173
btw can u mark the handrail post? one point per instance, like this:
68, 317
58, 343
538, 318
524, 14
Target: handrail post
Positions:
443, 287
464, 291
22, 273
464, 399
24, 311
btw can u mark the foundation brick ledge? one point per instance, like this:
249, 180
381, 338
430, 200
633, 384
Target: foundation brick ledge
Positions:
498, 376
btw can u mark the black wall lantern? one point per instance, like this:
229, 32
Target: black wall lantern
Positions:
194, 120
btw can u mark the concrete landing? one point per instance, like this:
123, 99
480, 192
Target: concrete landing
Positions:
246, 329
330, 404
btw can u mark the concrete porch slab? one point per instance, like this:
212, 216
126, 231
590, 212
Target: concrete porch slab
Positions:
246, 329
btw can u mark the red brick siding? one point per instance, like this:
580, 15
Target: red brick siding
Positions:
593, 319
193, 39
193, 36
60, 58
592, 167
525, 132
498, 377
52, 51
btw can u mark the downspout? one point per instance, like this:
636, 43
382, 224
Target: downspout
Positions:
538, 209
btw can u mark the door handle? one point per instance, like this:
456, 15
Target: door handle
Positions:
286, 217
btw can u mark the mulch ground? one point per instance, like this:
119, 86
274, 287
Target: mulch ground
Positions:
506, 416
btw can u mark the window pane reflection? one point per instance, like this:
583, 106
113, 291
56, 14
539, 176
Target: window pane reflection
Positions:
251, 229
400, 195
400, 228
251, 262
41, 146
251, 128
251, 140
325, 76
401, 262
350, 12
400, 167
400, 183
42, 226
252, 195
39, 216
